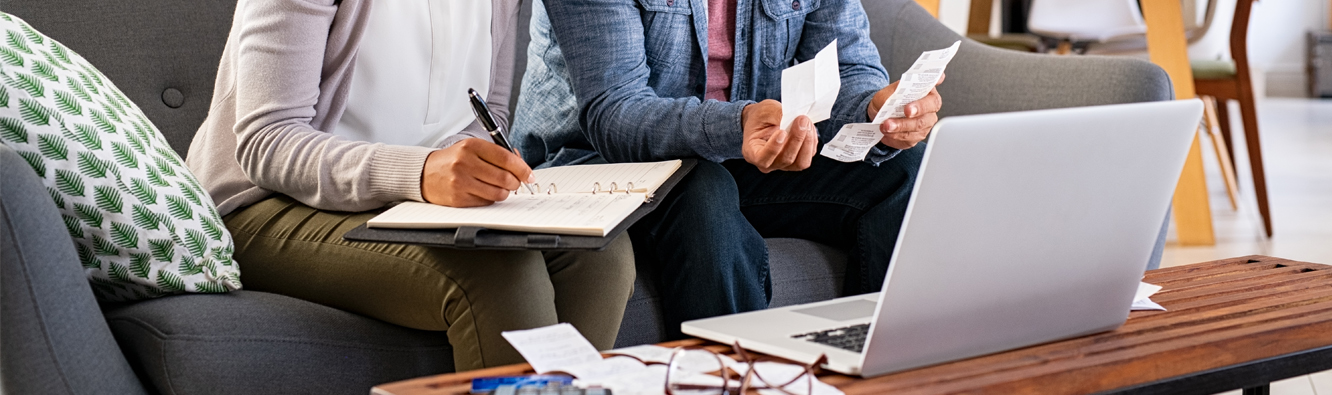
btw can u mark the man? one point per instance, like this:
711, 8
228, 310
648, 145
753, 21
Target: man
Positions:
649, 80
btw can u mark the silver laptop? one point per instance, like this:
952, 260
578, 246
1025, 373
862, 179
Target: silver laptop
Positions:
1023, 228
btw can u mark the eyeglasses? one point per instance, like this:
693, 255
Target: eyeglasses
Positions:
771, 373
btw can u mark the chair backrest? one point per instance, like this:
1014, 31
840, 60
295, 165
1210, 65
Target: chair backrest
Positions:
1085, 20
1239, 39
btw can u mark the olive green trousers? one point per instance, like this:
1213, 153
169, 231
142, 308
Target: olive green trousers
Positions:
286, 247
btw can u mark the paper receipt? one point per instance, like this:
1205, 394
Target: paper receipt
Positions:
855, 140
810, 88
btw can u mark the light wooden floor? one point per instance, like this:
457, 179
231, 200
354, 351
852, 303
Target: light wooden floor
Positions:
1297, 150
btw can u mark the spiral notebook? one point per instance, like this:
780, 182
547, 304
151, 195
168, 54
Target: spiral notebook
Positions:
574, 207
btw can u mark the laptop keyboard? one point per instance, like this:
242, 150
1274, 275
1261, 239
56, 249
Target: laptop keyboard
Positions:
850, 338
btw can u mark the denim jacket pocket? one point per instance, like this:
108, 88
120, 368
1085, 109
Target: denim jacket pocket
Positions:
786, 19
668, 28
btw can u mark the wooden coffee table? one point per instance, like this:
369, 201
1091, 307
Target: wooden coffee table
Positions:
1233, 323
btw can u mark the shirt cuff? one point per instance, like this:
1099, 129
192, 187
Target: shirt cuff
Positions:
722, 132
880, 153
395, 172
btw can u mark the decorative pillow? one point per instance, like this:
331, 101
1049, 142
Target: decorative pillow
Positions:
141, 224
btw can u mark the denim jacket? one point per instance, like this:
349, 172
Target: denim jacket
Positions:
625, 78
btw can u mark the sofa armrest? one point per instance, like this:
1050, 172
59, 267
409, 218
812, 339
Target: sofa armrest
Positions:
983, 79
55, 339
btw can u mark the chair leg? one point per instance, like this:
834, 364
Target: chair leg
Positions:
1223, 114
1222, 150
1250, 116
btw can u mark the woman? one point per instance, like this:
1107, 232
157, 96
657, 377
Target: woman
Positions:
326, 111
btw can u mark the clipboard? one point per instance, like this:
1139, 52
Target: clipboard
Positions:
477, 238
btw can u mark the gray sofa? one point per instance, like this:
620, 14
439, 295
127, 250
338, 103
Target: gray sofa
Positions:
163, 54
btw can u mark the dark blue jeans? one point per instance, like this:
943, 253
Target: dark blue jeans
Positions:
705, 242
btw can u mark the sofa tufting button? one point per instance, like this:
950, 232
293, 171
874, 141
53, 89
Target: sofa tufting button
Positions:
795, 5
173, 98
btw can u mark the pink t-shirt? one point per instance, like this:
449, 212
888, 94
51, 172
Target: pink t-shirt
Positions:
721, 49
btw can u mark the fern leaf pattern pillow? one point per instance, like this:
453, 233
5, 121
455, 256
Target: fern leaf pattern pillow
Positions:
142, 225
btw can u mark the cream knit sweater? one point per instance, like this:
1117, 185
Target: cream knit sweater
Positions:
282, 86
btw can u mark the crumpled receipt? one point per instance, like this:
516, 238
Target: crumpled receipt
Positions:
855, 140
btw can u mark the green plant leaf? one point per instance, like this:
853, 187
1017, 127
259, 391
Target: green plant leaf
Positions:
11, 57
125, 235
143, 218
57, 197
87, 136
235, 279
188, 267
72, 225
188, 190
12, 130
4, 94
91, 166
60, 52
139, 264
53, 147
28, 83
163, 250
67, 103
86, 255
17, 42
78, 90
35, 161
88, 83
164, 167
44, 70
135, 143
108, 199
31, 34
111, 103
120, 272
209, 288
209, 266
196, 242
220, 254
104, 246
89, 214
69, 183
155, 177
169, 281
143, 191
211, 228
35, 113
168, 154
179, 208
123, 155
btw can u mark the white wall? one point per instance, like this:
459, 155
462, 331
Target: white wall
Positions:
1276, 38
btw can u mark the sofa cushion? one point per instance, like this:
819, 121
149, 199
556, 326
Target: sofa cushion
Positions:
250, 342
140, 222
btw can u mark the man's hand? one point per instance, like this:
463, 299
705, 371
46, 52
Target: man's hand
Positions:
921, 115
472, 172
768, 147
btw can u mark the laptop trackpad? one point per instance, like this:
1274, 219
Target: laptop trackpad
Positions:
849, 310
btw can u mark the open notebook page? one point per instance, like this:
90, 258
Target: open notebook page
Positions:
582, 178
568, 214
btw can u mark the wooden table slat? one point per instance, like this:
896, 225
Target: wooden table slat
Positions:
1238, 312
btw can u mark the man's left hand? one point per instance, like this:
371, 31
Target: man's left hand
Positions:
921, 115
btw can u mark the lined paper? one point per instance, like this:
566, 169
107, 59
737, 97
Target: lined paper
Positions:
582, 178
570, 214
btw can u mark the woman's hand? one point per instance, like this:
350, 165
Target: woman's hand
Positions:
470, 173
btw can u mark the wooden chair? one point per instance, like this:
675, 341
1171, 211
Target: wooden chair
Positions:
1229, 80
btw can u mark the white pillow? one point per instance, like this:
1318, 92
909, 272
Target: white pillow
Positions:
140, 222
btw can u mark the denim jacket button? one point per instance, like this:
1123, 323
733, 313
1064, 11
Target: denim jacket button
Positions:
795, 5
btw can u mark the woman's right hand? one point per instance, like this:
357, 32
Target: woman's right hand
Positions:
470, 173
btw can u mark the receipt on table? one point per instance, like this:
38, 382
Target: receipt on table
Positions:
602, 369
810, 88
553, 347
1142, 298
855, 140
